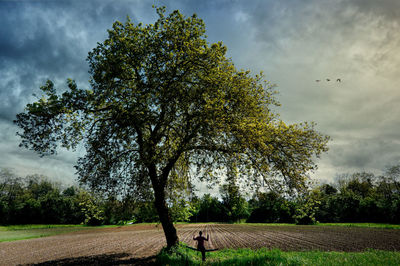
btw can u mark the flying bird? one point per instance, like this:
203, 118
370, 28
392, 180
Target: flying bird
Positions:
328, 79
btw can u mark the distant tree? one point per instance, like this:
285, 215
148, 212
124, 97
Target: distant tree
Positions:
270, 207
11, 192
119, 211
388, 191
210, 209
90, 207
163, 101
361, 197
328, 210
361, 184
393, 176
235, 204
71, 210
178, 194
328, 189
307, 205
181, 210
146, 212
70, 191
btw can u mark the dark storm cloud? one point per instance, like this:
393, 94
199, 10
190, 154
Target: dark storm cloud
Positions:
42, 40
373, 154
31, 49
389, 9
48, 40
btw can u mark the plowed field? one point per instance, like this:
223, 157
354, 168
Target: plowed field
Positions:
138, 244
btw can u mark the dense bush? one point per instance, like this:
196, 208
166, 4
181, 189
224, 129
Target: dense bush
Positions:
361, 197
35, 200
270, 208
209, 209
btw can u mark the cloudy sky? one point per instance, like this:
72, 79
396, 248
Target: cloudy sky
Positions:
295, 43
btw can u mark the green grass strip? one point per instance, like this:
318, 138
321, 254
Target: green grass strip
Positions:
363, 225
27, 231
19, 232
38, 226
182, 255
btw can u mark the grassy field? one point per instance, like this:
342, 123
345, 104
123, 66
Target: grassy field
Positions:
182, 255
18, 232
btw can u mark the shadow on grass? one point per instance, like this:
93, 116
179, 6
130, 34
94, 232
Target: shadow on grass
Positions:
105, 259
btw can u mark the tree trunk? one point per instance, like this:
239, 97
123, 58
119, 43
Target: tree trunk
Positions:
165, 219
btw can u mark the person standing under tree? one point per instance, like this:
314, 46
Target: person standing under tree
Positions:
200, 244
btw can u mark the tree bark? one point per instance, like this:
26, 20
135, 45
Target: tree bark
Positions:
165, 219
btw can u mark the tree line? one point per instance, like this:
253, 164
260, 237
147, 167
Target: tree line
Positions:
357, 197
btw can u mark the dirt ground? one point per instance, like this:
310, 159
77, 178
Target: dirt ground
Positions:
138, 244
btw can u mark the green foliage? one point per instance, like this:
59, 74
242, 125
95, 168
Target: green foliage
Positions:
89, 206
362, 197
306, 207
179, 191
270, 208
181, 210
235, 204
209, 209
145, 212
117, 211
36, 200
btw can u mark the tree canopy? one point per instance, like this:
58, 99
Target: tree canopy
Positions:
164, 104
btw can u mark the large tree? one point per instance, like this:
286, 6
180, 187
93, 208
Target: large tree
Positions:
164, 105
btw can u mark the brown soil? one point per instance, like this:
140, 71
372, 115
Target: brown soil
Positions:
138, 244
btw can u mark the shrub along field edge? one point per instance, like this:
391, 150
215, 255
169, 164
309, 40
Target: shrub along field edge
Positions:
182, 255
